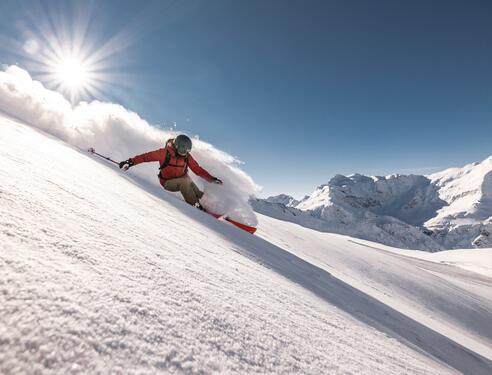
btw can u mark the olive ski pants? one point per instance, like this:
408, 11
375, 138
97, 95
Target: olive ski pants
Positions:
186, 186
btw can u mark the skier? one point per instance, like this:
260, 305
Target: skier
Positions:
174, 159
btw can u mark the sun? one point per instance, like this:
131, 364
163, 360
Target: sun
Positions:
72, 73
60, 49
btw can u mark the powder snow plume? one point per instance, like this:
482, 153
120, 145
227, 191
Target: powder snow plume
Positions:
112, 129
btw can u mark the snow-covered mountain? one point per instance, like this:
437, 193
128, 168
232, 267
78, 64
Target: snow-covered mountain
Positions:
283, 199
445, 210
466, 218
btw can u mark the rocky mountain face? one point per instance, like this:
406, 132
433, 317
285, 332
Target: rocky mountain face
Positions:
446, 210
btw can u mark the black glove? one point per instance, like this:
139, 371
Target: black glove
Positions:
126, 164
217, 181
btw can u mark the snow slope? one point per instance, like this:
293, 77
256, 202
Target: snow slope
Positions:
104, 272
478, 260
451, 209
453, 301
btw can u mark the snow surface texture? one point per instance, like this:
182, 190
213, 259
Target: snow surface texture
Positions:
112, 129
101, 272
427, 287
447, 210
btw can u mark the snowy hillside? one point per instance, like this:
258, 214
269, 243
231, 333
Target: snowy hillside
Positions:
102, 273
436, 290
446, 210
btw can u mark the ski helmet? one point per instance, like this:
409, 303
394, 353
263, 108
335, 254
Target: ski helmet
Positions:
182, 143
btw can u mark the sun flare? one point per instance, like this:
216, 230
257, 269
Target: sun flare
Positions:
72, 73
67, 60
63, 51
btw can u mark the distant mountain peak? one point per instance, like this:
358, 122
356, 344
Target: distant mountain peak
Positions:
283, 199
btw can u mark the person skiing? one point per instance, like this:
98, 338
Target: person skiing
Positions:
174, 159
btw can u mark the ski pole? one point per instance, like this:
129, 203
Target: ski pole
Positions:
93, 151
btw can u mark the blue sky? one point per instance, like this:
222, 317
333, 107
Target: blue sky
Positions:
299, 90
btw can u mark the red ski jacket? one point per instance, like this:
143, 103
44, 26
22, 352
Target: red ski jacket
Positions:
172, 164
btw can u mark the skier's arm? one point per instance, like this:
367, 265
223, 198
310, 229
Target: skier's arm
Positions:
199, 171
149, 156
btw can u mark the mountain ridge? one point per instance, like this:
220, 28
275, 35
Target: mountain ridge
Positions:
445, 210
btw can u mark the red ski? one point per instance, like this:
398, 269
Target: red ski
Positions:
242, 226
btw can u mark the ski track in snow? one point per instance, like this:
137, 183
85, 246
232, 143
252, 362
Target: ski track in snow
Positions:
98, 275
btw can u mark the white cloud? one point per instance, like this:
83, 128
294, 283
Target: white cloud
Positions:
114, 130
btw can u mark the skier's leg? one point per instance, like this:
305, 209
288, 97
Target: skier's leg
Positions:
189, 190
191, 193
171, 185
197, 191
